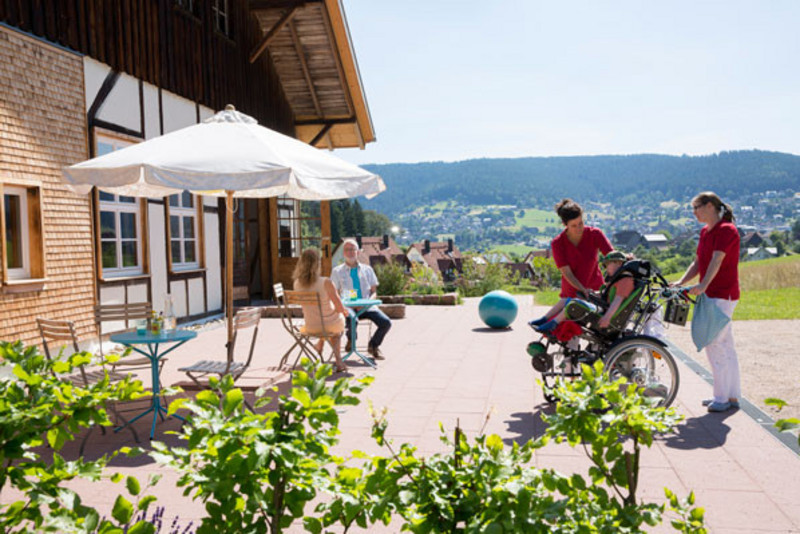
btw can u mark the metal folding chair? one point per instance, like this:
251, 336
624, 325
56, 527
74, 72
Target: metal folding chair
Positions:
53, 331
304, 337
243, 320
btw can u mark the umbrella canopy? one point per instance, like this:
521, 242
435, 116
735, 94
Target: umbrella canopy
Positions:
228, 155
227, 152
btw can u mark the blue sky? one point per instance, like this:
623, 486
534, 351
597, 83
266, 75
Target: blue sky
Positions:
448, 80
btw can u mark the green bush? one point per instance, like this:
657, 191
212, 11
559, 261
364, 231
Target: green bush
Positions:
424, 281
391, 278
477, 280
39, 404
485, 486
259, 469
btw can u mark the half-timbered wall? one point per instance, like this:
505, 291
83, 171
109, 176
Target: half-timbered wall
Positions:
43, 128
159, 42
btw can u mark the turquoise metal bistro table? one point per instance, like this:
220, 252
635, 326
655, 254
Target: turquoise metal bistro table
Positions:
359, 306
153, 342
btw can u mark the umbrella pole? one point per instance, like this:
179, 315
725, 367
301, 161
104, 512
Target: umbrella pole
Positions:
229, 267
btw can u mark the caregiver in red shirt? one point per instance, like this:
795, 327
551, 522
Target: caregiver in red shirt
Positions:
717, 264
575, 251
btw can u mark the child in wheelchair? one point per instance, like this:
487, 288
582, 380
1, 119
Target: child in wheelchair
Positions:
595, 310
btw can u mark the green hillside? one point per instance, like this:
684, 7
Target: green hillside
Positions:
540, 182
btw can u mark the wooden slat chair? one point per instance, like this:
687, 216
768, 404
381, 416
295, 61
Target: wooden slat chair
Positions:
63, 333
244, 319
105, 313
304, 337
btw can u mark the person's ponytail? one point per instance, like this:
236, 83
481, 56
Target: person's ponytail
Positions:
726, 212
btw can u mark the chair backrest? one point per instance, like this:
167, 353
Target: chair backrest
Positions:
309, 301
104, 313
244, 319
57, 331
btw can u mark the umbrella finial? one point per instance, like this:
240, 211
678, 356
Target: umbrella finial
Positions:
230, 107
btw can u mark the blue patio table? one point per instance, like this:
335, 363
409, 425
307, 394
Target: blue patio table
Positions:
359, 306
153, 342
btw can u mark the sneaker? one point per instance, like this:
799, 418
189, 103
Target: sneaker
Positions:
719, 406
538, 322
375, 352
708, 402
548, 327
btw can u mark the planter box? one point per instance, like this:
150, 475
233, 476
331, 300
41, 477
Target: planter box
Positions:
448, 299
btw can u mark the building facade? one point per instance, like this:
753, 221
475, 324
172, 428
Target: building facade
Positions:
79, 79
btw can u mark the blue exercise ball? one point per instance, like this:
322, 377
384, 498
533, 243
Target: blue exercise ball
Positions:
498, 309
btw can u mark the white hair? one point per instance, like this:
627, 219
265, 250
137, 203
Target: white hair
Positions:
352, 241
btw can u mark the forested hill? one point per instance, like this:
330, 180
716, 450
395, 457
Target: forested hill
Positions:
542, 181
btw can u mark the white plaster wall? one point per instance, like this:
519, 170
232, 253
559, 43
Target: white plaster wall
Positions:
94, 73
206, 113
158, 255
122, 104
152, 127
196, 304
213, 270
178, 290
178, 112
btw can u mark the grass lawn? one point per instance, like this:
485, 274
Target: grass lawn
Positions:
761, 304
538, 218
519, 250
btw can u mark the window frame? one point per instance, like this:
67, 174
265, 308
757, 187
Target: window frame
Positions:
139, 209
220, 9
31, 235
196, 212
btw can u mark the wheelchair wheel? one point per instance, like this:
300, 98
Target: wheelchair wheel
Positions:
648, 364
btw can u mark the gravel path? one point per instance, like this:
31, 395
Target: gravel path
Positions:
769, 358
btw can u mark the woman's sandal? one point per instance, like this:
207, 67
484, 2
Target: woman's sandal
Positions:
340, 368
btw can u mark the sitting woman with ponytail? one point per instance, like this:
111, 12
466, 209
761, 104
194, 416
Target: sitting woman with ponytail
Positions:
717, 264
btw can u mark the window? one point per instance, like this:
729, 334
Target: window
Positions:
21, 237
120, 240
187, 5
219, 10
120, 225
183, 230
299, 226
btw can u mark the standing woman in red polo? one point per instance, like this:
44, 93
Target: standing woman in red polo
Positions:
575, 251
717, 264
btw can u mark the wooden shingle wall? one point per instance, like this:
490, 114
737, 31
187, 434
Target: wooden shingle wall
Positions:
42, 129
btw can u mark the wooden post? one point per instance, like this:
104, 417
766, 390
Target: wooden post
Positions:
229, 265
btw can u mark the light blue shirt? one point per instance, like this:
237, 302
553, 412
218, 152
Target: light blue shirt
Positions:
340, 276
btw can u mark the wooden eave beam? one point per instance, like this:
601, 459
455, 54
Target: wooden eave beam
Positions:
323, 122
258, 5
298, 46
278, 26
322, 133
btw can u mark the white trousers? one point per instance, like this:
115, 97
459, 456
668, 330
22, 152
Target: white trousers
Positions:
723, 359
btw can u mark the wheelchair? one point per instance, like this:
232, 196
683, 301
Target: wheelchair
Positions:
625, 348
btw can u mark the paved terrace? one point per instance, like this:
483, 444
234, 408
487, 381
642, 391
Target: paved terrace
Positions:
444, 365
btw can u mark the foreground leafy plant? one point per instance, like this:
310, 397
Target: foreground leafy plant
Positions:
37, 403
485, 486
253, 469
789, 424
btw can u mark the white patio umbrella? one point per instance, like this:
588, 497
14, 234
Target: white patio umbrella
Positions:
228, 155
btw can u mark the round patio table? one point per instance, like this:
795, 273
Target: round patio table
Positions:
176, 338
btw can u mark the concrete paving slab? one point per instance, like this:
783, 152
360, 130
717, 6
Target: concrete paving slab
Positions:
444, 365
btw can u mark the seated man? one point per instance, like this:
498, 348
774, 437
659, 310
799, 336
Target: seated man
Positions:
576, 309
356, 276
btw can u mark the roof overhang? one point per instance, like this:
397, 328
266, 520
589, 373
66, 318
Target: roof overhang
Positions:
310, 45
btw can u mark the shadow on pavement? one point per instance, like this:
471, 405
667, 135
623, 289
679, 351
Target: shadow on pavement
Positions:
708, 431
528, 425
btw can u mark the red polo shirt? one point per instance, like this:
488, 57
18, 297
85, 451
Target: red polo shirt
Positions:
582, 259
723, 236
